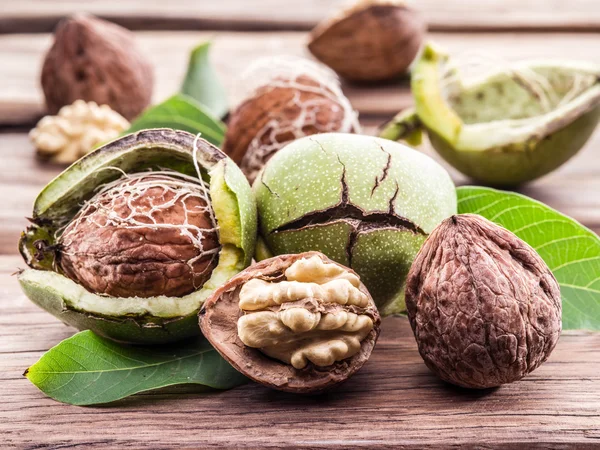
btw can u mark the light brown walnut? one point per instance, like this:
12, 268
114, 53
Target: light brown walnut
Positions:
95, 60
484, 307
373, 40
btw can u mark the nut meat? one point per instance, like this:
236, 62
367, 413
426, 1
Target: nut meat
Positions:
484, 307
303, 322
76, 130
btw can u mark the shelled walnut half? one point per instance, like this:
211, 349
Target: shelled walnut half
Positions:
76, 131
298, 323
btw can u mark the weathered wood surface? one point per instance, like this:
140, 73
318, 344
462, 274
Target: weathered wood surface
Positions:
393, 402
442, 15
21, 99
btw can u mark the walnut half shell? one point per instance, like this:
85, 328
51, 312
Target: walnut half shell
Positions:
484, 307
298, 323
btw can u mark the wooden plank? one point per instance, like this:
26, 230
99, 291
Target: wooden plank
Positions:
393, 402
21, 99
450, 15
572, 189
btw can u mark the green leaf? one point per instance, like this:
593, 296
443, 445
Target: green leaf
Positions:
86, 369
202, 84
571, 251
181, 113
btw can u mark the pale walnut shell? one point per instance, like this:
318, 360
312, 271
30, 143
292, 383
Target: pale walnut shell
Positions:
374, 40
98, 61
140, 261
484, 307
219, 323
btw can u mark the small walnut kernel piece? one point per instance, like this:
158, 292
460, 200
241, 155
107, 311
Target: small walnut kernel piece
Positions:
319, 320
76, 130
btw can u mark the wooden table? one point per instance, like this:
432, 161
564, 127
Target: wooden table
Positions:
394, 402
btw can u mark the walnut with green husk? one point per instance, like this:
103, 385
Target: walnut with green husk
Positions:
130, 240
484, 307
365, 202
501, 123
298, 323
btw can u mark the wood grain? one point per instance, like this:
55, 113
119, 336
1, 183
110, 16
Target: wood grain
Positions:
22, 102
455, 15
393, 402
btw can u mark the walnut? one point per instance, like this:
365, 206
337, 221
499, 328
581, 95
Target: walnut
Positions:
484, 307
298, 323
288, 98
373, 40
144, 235
98, 61
76, 131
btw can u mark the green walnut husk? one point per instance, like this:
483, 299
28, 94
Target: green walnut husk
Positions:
136, 320
365, 202
508, 127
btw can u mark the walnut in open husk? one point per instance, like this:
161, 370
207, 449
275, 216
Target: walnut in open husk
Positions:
299, 323
95, 60
373, 40
286, 98
131, 239
484, 307
76, 131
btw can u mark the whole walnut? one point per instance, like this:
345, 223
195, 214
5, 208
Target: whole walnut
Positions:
98, 61
289, 98
373, 40
484, 307
142, 236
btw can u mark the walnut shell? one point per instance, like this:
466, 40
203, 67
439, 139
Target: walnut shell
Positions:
297, 99
484, 307
98, 61
145, 236
374, 40
292, 363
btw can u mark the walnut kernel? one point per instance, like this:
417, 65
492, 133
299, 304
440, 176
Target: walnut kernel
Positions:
76, 130
283, 318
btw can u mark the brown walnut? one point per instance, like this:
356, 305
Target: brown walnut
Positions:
299, 323
484, 307
298, 98
98, 61
373, 40
144, 235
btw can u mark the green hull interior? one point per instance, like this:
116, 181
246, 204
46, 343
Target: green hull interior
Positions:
510, 126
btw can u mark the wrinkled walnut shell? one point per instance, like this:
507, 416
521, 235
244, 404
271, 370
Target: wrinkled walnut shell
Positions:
484, 307
374, 40
109, 249
296, 98
218, 321
98, 61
